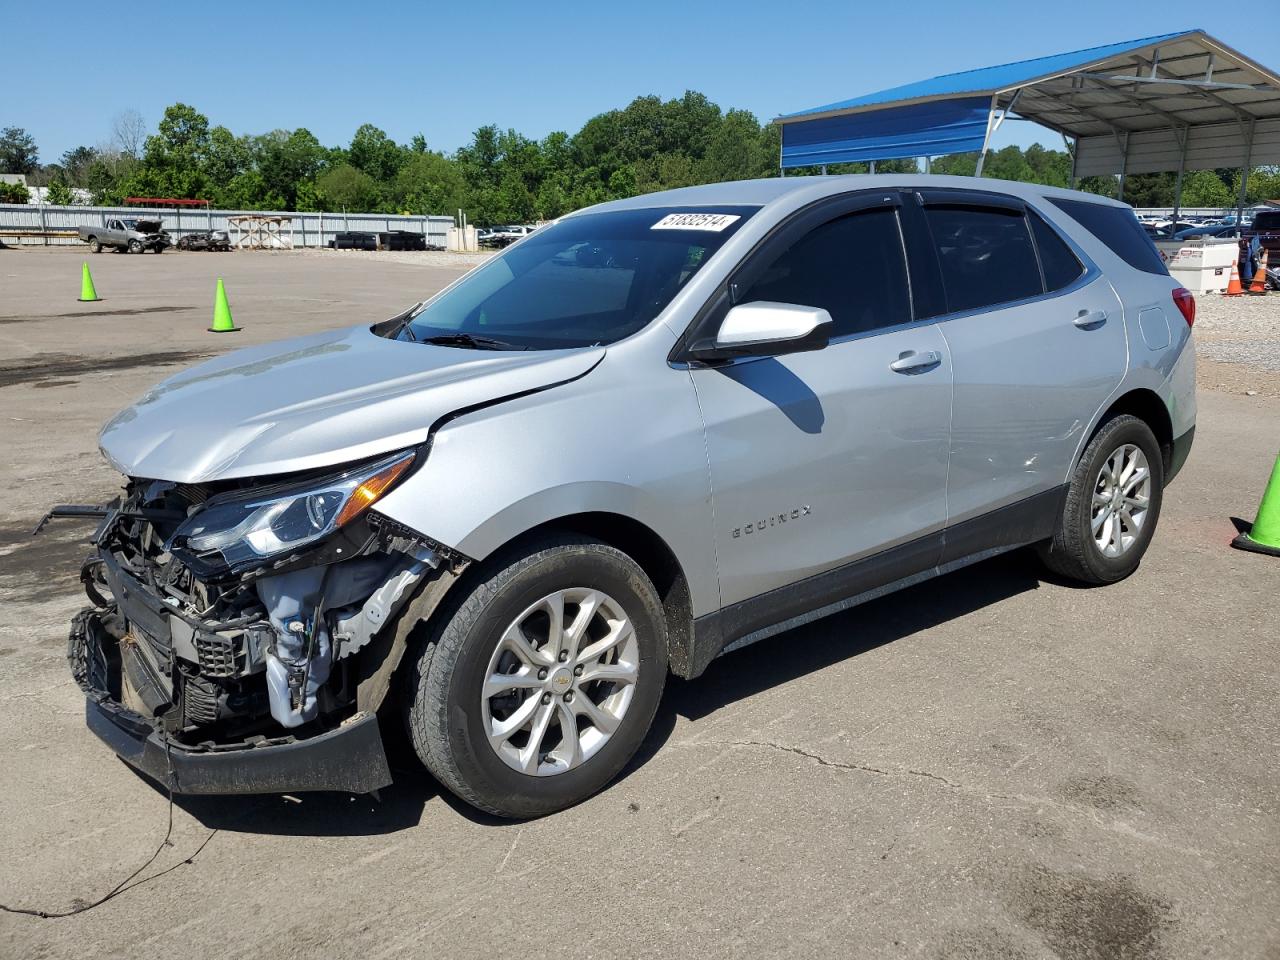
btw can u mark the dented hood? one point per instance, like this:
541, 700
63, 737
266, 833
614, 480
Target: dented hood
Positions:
316, 401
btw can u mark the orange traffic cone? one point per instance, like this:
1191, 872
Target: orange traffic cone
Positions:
1233, 288
1259, 286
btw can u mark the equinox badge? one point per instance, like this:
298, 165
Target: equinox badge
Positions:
772, 520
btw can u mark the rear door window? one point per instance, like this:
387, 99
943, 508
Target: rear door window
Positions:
852, 267
1119, 229
985, 255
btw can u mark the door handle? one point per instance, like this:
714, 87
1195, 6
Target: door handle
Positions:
1090, 319
912, 362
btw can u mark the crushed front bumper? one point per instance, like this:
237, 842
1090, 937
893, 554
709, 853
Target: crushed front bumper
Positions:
349, 757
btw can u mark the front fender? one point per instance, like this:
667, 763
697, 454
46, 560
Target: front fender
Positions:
595, 445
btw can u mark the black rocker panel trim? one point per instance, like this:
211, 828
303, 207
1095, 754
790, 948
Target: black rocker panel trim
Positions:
1026, 521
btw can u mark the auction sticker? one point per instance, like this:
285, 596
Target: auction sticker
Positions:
715, 222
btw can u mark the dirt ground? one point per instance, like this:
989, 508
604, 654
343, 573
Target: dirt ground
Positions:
989, 765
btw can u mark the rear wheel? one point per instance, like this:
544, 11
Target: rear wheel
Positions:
1112, 505
541, 683
94, 245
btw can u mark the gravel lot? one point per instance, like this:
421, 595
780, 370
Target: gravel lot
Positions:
1238, 343
991, 765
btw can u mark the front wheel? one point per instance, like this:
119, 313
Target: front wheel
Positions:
1112, 505
135, 246
535, 689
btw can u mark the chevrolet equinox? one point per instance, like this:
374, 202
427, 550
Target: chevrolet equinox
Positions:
649, 432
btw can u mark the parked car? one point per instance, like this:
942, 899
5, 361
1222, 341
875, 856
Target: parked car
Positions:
1191, 233
216, 240
658, 429
500, 237
126, 235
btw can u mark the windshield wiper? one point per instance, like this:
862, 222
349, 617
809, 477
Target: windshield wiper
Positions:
470, 341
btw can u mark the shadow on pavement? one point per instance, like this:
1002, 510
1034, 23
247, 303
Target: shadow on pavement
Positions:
823, 643
738, 675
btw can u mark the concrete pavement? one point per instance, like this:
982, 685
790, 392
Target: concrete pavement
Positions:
989, 765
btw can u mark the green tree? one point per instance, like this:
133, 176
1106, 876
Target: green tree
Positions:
1264, 184
373, 152
502, 175
1203, 188
737, 149
1050, 167
288, 159
1102, 186
76, 162
345, 188
955, 165
225, 158
173, 158
429, 183
18, 153
14, 192
59, 194
1149, 189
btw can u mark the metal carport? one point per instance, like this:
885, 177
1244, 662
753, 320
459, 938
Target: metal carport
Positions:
1180, 101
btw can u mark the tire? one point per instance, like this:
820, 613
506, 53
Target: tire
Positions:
135, 246
449, 717
94, 245
1074, 551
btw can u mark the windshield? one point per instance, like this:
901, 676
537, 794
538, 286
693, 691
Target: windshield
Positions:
591, 279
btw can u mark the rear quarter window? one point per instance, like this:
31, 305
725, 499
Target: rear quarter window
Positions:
1060, 265
1118, 228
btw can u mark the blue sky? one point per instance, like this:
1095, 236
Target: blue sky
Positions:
446, 69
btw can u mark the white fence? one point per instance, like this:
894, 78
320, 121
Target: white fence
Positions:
309, 229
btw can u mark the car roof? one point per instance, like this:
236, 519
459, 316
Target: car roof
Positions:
764, 192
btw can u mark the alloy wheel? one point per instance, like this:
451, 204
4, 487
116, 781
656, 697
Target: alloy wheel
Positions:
560, 681
1121, 500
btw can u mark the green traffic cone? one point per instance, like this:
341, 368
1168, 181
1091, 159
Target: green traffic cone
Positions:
1264, 535
222, 322
87, 293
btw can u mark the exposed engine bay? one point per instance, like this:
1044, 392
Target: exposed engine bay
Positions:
232, 615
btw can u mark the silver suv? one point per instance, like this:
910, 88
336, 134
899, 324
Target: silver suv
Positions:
654, 430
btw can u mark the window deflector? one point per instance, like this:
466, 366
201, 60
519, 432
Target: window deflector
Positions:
972, 198
781, 238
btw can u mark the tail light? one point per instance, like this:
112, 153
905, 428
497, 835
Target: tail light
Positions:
1186, 304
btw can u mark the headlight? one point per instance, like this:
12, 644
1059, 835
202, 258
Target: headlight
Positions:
247, 529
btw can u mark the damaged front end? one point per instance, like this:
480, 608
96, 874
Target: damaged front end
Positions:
230, 648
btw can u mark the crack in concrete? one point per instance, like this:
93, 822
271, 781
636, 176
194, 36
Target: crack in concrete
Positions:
838, 764
1114, 826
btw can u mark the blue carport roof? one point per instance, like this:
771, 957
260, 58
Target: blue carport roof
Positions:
988, 80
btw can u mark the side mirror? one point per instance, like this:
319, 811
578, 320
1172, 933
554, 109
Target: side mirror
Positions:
766, 329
